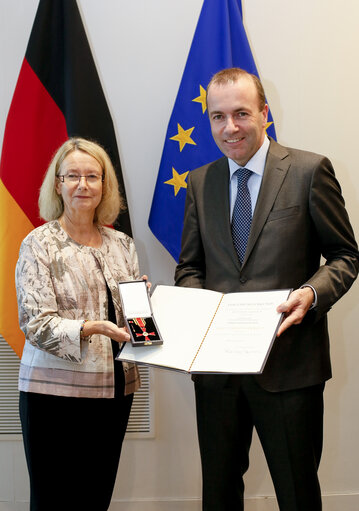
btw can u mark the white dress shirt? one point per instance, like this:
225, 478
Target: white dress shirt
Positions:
256, 164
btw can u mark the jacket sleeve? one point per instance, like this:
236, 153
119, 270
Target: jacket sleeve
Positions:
336, 238
37, 305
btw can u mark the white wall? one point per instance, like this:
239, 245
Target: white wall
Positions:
307, 54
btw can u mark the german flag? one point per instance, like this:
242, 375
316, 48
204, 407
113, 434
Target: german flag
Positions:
58, 95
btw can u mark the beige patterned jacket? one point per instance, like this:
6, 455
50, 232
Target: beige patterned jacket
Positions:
60, 283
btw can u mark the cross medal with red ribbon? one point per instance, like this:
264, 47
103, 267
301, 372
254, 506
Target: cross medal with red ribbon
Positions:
142, 324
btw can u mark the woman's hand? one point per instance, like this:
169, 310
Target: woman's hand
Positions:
145, 278
107, 327
119, 334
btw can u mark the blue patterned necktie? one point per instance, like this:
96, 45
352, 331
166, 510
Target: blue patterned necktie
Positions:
242, 213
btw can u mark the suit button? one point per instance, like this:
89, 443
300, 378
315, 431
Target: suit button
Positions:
243, 280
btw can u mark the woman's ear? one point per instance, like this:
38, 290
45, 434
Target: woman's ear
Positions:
58, 186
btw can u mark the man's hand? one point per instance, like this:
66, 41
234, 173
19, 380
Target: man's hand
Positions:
295, 308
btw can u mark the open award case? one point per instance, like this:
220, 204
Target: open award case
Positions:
137, 311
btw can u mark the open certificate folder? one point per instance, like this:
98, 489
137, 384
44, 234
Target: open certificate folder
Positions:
209, 332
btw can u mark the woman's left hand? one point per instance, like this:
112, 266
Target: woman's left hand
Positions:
145, 278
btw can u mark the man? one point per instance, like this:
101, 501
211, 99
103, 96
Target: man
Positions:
297, 215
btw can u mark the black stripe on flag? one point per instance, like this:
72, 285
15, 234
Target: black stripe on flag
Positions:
59, 53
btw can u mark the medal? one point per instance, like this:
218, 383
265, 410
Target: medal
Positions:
140, 322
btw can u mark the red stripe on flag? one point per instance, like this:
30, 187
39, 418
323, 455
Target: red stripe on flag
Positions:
35, 128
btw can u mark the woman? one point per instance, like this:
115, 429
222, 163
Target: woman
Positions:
74, 398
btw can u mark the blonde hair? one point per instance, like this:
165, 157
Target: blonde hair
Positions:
51, 205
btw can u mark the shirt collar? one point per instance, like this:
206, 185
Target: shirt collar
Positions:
256, 164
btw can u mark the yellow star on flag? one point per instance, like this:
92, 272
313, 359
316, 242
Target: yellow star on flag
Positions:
183, 137
178, 181
267, 125
201, 98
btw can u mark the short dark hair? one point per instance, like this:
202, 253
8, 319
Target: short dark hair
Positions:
232, 75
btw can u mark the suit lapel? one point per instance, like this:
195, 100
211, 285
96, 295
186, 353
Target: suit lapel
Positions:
218, 187
275, 170
218, 198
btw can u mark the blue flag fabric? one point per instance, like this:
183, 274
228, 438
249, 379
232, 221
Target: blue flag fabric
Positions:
219, 42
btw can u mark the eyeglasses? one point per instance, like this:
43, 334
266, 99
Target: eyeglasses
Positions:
91, 179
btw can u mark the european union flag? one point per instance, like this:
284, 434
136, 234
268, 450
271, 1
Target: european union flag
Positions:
219, 42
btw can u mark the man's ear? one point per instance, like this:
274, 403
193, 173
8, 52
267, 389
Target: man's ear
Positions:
265, 114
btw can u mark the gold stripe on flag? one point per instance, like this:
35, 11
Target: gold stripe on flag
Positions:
14, 226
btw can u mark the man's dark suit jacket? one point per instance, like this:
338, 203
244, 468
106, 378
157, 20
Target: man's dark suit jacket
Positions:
299, 217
